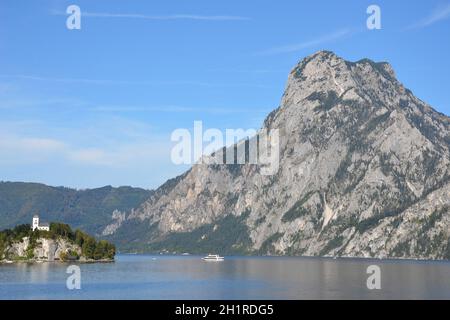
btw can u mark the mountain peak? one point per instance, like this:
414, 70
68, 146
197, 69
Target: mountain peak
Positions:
364, 170
325, 59
323, 54
324, 73
317, 60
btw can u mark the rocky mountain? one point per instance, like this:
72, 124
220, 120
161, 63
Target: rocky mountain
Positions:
89, 210
363, 171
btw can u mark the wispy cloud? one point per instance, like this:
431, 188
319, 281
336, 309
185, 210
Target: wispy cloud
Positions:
179, 109
132, 83
440, 13
127, 144
5, 88
307, 44
23, 102
158, 17
64, 162
249, 71
86, 106
31, 150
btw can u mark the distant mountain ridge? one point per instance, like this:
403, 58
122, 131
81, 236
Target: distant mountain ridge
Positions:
364, 172
90, 209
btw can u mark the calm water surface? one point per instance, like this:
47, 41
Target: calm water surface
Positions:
188, 277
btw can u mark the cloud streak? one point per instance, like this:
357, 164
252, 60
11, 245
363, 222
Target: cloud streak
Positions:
308, 44
32, 150
439, 14
118, 143
179, 109
159, 17
132, 83
86, 106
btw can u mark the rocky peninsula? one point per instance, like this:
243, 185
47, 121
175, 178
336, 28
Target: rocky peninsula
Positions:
59, 243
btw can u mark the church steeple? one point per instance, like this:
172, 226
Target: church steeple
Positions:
35, 222
37, 225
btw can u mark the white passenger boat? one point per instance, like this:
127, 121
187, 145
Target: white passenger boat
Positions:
213, 257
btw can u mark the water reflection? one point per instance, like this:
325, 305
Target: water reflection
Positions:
188, 277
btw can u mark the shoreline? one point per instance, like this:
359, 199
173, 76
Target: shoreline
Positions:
347, 258
33, 261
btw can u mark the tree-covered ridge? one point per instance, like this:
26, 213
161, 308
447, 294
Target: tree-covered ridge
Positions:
89, 247
88, 210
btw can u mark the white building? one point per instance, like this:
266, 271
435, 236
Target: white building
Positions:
36, 225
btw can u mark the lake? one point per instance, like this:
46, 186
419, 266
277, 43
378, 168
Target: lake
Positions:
188, 277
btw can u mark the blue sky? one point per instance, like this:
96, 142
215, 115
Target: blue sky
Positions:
96, 106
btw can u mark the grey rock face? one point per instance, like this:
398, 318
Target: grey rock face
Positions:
45, 249
364, 171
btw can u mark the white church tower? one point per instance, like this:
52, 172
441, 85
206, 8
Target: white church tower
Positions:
36, 225
35, 222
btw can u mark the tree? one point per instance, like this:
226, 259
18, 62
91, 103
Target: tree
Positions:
104, 250
3, 244
88, 248
63, 256
79, 237
61, 229
21, 231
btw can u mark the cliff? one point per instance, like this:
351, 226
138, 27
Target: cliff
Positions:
364, 171
44, 250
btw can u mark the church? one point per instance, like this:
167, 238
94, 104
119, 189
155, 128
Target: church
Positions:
36, 225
